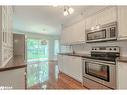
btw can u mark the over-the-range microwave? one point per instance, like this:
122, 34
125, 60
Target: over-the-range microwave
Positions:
107, 32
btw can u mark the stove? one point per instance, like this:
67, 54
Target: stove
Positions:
100, 67
109, 53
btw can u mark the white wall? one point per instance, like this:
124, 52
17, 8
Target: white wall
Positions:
85, 48
50, 39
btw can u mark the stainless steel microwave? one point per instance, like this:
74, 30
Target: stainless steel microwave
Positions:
105, 32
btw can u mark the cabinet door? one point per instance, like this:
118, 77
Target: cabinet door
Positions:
7, 45
79, 32
74, 34
76, 66
107, 16
67, 64
70, 34
121, 75
65, 36
122, 22
88, 22
72, 66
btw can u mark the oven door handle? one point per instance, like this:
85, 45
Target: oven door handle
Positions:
98, 61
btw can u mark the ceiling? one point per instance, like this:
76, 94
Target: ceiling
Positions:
43, 19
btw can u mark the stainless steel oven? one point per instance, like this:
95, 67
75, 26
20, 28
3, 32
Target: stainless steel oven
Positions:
103, 72
102, 33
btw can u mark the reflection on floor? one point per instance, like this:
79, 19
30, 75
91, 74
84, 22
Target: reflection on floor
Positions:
46, 76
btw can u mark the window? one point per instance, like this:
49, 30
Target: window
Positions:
37, 50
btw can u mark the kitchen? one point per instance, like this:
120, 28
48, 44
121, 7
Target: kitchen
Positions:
92, 53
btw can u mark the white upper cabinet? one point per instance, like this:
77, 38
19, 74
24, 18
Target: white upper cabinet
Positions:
103, 17
79, 32
122, 22
89, 23
65, 36
107, 16
6, 41
74, 34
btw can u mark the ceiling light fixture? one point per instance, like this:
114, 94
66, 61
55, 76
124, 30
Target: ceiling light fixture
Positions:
71, 10
65, 12
68, 10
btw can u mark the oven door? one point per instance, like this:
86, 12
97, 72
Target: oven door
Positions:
101, 72
96, 36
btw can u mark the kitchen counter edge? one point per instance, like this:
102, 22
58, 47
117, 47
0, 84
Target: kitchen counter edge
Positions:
119, 59
15, 62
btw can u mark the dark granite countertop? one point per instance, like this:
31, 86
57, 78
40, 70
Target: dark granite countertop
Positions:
76, 54
119, 59
14, 63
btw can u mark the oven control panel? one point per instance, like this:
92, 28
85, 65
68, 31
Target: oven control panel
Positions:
106, 49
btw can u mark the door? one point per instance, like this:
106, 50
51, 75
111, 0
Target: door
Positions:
37, 50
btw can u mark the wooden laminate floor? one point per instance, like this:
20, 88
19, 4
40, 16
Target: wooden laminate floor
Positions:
45, 75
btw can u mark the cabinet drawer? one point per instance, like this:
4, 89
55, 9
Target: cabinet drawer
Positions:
93, 85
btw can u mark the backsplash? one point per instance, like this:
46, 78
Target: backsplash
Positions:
85, 48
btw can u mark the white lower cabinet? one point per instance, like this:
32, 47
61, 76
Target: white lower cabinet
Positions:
76, 68
121, 75
13, 79
60, 62
71, 65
